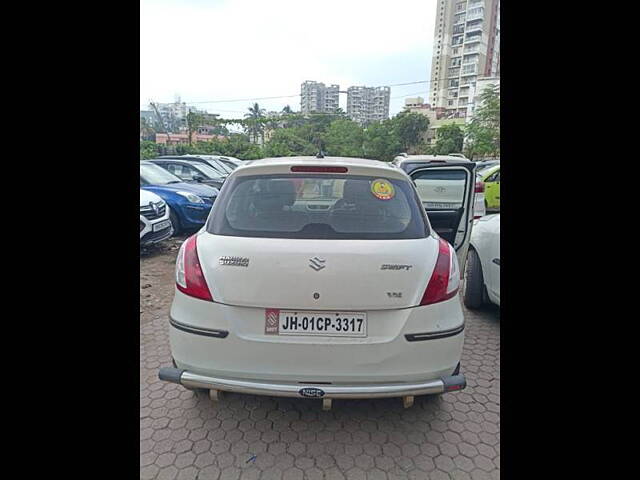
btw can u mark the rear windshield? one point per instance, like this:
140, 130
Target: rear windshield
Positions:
318, 207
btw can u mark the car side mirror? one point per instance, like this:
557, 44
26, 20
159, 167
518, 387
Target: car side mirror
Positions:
199, 179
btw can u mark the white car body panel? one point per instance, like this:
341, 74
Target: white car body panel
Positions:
383, 356
485, 239
278, 276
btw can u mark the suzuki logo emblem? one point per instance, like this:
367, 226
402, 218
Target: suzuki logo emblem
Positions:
317, 263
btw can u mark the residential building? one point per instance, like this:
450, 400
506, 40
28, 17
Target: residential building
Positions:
415, 106
318, 98
481, 84
148, 116
414, 102
174, 115
183, 138
368, 104
466, 46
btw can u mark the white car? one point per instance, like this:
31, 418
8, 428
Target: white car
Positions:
322, 279
155, 225
482, 279
479, 206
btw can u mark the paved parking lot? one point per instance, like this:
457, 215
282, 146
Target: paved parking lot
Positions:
186, 436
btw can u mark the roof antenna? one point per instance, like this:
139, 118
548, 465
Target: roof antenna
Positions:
320, 154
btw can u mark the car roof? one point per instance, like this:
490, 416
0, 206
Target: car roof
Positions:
173, 159
362, 166
430, 158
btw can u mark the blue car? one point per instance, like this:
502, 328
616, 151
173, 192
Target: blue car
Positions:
189, 203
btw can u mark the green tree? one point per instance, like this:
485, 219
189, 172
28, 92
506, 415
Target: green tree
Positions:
449, 139
194, 121
409, 129
344, 138
483, 131
381, 142
255, 122
148, 149
285, 143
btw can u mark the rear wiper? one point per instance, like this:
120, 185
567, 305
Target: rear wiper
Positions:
174, 181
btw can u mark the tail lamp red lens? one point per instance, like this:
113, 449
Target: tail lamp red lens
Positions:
479, 187
318, 169
438, 285
195, 285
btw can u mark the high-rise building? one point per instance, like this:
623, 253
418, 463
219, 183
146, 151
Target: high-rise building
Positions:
368, 104
466, 47
481, 85
316, 97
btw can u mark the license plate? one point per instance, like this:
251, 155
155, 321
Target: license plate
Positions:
161, 225
447, 205
326, 324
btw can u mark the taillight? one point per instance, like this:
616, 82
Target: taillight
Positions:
445, 279
189, 277
479, 187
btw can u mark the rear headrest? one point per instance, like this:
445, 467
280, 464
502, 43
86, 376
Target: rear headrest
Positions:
355, 190
285, 190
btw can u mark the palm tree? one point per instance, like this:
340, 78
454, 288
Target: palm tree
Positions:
254, 120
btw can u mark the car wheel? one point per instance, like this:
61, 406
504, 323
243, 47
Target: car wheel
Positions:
175, 222
474, 282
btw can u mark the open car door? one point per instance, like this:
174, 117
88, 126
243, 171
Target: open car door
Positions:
447, 192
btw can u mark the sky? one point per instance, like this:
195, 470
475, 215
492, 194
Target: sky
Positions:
204, 50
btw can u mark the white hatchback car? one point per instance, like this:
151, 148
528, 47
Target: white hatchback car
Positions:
482, 280
155, 225
322, 278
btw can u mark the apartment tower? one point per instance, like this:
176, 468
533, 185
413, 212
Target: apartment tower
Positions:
466, 47
368, 104
316, 97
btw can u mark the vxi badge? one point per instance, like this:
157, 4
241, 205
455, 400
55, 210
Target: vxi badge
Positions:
234, 261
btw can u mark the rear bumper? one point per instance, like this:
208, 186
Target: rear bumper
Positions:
405, 346
193, 380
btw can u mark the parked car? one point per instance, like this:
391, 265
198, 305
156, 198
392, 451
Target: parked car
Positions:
191, 171
481, 165
491, 179
340, 289
231, 161
189, 203
435, 192
155, 225
212, 160
482, 275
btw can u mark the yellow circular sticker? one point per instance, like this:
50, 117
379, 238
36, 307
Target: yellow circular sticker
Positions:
383, 189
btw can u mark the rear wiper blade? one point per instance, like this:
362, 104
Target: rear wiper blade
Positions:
174, 181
